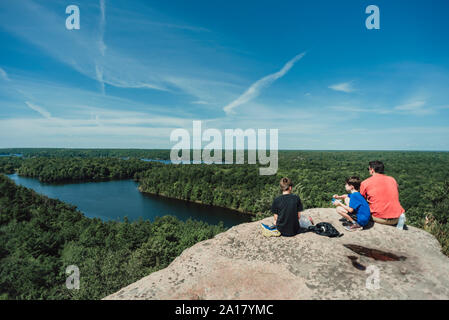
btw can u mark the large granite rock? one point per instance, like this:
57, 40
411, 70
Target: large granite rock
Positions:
242, 264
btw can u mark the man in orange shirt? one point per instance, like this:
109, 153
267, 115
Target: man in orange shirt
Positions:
381, 192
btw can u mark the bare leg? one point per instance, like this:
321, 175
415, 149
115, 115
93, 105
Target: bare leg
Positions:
344, 214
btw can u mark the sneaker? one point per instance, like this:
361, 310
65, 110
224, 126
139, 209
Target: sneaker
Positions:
354, 217
269, 231
346, 223
354, 227
272, 227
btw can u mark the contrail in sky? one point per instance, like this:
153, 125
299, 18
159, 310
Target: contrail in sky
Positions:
254, 90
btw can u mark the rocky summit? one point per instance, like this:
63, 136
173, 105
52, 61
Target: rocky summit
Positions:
378, 263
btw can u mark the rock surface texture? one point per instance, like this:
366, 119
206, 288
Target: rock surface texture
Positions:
242, 264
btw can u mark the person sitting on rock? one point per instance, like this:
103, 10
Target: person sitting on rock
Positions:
354, 204
381, 192
287, 211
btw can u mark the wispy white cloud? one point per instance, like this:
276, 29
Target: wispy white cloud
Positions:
87, 126
99, 74
38, 109
254, 90
357, 109
411, 106
349, 109
63, 100
101, 46
406, 131
4, 75
80, 133
343, 87
418, 107
182, 27
200, 102
415, 108
110, 117
164, 65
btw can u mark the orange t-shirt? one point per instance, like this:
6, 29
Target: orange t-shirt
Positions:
382, 194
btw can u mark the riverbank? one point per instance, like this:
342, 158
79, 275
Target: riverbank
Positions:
41, 237
116, 199
250, 214
422, 178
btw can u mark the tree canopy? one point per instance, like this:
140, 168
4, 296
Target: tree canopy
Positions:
40, 237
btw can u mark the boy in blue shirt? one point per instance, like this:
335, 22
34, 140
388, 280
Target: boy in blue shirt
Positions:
354, 204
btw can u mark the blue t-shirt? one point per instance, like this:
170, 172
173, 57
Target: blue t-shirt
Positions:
361, 208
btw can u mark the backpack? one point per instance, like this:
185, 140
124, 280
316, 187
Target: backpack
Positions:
325, 229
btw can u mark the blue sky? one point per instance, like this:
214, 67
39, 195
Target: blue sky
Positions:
136, 70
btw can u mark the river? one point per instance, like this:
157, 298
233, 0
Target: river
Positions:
113, 200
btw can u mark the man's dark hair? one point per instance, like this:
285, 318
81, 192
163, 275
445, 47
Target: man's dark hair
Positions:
285, 183
377, 166
355, 182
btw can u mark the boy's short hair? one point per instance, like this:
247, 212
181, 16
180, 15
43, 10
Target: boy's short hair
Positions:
377, 166
285, 183
354, 181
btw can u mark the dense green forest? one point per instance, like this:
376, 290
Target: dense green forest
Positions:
45, 235
317, 176
10, 164
423, 180
87, 153
41, 237
235, 187
82, 169
67, 165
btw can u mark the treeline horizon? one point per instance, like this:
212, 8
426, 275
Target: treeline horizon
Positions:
163, 153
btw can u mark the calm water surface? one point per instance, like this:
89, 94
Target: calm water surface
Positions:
113, 200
